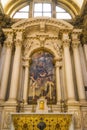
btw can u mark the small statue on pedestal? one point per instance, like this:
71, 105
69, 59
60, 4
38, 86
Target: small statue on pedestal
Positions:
20, 106
63, 106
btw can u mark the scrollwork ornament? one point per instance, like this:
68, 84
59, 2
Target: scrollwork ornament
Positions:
29, 44
55, 45
27, 47
26, 62
7, 121
58, 62
58, 48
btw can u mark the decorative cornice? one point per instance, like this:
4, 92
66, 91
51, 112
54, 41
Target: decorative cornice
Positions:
18, 29
59, 24
42, 36
9, 37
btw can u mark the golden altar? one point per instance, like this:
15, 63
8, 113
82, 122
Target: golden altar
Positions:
52, 121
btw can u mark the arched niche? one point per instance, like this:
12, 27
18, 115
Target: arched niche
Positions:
41, 34
42, 78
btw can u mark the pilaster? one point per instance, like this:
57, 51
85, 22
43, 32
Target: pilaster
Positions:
16, 65
26, 65
5, 75
78, 71
68, 67
58, 65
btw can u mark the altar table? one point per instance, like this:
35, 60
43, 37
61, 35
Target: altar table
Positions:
30, 121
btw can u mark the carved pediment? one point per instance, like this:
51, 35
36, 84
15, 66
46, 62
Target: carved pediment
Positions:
40, 21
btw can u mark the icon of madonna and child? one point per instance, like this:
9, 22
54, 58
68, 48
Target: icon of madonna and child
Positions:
42, 78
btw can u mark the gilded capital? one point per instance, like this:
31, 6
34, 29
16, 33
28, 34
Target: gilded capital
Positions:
75, 43
9, 37
18, 37
8, 44
58, 62
66, 42
26, 61
75, 38
18, 42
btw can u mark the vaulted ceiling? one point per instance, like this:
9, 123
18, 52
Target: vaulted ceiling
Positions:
10, 6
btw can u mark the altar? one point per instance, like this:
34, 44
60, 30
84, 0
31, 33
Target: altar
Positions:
43, 118
34, 121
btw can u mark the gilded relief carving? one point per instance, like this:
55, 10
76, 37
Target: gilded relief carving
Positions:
51, 121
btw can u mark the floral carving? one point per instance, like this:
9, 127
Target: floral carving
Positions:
7, 120
77, 119
85, 120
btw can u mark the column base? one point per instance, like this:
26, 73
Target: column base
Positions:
11, 101
1, 101
25, 103
72, 101
83, 102
58, 103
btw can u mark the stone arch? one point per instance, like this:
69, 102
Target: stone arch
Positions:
11, 6
43, 34
50, 50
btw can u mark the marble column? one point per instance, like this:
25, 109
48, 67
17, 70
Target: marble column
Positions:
85, 50
68, 69
26, 78
16, 68
58, 86
5, 75
78, 71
